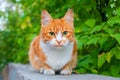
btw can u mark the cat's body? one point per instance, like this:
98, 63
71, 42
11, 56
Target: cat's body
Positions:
55, 48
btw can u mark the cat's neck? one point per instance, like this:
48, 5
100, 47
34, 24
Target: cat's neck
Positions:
57, 57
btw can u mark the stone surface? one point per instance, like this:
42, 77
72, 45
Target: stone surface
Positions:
1, 78
25, 72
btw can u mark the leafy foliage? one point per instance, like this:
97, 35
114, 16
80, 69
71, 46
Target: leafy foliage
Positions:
97, 30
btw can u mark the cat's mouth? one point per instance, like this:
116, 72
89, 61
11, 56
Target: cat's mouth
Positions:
58, 45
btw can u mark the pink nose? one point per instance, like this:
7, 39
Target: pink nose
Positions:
58, 41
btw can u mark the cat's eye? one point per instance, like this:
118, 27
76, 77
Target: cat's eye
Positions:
65, 33
52, 33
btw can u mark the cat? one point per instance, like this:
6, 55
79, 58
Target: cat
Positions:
54, 49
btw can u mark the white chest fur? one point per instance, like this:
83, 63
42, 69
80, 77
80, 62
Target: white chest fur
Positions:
57, 58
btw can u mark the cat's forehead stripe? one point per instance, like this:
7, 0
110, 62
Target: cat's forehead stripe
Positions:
58, 28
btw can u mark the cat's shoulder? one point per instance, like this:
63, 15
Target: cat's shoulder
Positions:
35, 40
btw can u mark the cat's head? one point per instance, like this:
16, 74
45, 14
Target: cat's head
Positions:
57, 32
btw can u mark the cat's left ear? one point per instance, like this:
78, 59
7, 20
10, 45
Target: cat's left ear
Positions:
69, 16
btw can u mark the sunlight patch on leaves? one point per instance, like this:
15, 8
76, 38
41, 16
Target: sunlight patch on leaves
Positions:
108, 57
101, 59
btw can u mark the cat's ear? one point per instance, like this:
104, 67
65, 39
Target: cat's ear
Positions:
69, 16
45, 18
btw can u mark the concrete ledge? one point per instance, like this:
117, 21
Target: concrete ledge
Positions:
25, 72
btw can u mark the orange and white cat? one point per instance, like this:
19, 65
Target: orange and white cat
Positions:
55, 48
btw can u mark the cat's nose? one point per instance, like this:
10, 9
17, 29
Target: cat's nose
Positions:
59, 42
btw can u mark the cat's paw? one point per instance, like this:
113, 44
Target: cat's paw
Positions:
41, 70
49, 72
66, 72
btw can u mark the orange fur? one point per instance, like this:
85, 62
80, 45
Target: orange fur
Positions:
37, 56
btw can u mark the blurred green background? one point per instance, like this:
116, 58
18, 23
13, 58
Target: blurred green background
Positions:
97, 30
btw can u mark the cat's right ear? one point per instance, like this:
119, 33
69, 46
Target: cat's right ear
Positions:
45, 18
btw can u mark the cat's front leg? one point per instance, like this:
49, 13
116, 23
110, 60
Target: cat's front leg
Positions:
67, 69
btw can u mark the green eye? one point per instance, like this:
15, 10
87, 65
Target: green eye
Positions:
52, 33
65, 32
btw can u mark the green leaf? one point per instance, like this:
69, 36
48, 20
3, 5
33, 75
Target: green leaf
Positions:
113, 20
93, 40
94, 71
90, 22
84, 62
115, 51
117, 54
96, 28
101, 60
117, 37
82, 41
110, 30
108, 44
81, 70
118, 11
103, 40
